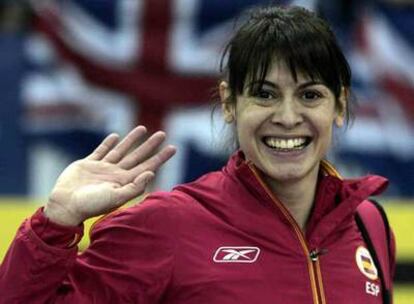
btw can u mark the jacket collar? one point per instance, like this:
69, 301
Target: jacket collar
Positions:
336, 198
358, 188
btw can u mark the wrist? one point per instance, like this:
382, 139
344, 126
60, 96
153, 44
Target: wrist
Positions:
60, 217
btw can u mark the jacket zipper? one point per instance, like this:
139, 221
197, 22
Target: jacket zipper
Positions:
314, 257
315, 274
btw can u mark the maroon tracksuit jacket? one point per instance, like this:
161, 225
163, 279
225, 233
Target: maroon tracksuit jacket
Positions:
222, 239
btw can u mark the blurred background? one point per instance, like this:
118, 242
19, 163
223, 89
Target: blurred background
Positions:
72, 71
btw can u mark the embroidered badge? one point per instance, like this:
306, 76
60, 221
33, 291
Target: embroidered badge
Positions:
236, 254
365, 263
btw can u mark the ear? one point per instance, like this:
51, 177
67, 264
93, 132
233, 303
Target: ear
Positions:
341, 111
227, 106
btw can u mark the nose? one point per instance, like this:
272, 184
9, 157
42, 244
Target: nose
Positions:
287, 114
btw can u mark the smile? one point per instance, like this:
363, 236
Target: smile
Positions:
287, 144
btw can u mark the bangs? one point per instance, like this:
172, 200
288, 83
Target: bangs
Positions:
306, 48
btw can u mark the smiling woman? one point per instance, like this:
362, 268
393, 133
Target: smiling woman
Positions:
284, 127
286, 84
275, 225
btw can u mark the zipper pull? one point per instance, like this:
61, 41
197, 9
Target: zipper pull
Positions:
315, 253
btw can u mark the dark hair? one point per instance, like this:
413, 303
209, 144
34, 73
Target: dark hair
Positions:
293, 35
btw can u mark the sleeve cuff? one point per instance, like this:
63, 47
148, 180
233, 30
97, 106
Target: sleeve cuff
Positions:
53, 234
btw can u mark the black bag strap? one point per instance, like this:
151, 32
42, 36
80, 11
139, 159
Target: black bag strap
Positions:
373, 224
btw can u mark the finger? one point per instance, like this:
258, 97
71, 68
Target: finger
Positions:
116, 154
143, 151
106, 145
134, 188
156, 161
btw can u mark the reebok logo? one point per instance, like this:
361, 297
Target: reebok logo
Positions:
236, 254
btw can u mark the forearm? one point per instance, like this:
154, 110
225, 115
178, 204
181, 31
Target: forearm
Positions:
33, 270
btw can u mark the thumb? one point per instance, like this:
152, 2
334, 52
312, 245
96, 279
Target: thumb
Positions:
134, 188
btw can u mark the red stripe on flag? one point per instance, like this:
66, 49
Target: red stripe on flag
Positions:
157, 21
155, 90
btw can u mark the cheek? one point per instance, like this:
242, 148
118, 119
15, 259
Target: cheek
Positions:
246, 128
248, 122
325, 130
322, 120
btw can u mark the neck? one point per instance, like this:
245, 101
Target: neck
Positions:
297, 195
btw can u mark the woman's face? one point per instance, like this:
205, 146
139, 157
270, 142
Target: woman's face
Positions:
284, 127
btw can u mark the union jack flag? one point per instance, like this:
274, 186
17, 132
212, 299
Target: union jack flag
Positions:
162, 53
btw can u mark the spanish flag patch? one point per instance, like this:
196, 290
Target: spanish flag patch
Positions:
366, 263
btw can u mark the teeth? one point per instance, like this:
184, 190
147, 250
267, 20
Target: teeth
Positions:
291, 143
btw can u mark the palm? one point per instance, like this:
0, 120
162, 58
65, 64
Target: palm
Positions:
107, 178
89, 186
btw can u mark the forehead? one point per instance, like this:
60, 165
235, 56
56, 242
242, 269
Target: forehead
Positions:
279, 71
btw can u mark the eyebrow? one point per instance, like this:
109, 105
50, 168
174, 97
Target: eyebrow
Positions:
276, 86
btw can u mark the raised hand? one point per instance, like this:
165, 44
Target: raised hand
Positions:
108, 178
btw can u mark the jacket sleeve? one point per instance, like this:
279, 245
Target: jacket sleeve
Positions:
129, 260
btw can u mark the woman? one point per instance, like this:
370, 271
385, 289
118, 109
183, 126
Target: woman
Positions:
276, 225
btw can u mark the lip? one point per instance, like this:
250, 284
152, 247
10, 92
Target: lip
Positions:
286, 136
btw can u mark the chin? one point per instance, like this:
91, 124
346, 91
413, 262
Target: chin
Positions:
286, 176
287, 172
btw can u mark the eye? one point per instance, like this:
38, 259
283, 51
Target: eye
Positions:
263, 94
311, 95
